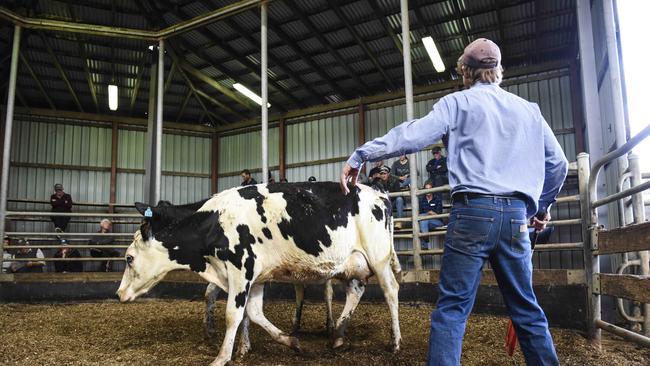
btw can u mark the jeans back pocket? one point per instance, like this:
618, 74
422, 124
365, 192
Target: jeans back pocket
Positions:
470, 233
519, 239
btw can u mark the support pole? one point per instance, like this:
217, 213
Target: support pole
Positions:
214, 166
590, 102
638, 210
159, 120
282, 126
265, 94
6, 148
113, 184
408, 92
591, 262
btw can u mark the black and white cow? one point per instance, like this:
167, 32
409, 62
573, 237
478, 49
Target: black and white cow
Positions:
298, 232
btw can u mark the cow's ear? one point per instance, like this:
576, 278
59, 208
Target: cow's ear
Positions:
141, 207
163, 203
145, 231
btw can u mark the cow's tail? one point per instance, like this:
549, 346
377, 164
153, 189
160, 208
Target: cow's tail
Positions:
394, 260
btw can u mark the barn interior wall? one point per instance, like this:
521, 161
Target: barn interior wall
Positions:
43, 150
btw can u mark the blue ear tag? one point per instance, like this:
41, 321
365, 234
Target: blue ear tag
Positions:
148, 212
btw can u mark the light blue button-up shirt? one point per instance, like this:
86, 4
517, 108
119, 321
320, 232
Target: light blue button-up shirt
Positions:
498, 144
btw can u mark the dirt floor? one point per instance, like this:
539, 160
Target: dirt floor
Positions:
171, 333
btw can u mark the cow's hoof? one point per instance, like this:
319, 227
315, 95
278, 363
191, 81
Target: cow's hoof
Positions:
294, 331
209, 335
338, 343
294, 343
243, 351
396, 348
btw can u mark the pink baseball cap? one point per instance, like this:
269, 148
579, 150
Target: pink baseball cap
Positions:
481, 54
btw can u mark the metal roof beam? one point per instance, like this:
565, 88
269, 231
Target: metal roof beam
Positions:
460, 18
189, 68
81, 47
315, 32
62, 72
247, 64
37, 80
138, 80
109, 31
301, 55
183, 105
361, 43
387, 27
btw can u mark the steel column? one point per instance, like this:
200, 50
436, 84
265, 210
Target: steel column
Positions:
615, 79
214, 164
6, 148
113, 184
282, 127
591, 262
590, 102
639, 217
265, 94
159, 120
408, 93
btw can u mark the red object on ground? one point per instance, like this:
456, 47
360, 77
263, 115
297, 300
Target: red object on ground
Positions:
511, 339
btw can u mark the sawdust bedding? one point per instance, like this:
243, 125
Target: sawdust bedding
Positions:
156, 332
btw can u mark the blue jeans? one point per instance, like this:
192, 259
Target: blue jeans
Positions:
425, 227
493, 229
405, 183
399, 204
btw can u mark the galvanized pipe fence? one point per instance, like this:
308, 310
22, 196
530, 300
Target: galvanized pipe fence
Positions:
625, 239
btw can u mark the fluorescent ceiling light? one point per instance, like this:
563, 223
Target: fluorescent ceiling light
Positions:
434, 55
247, 92
112, 97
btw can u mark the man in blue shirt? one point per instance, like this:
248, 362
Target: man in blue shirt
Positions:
505, 165
429, 205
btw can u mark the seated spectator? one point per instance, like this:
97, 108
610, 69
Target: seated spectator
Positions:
7, 256
437, 168
389, 183
401, 170
311, 179
246, 179
27, 266
105, 227
61, 202
374, 172
429, 205
67, 266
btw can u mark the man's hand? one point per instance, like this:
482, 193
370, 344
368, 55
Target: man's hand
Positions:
538, 224
351, 174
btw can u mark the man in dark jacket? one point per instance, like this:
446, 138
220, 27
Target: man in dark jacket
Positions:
429, 205
102, 240
437, 168
61, 202
67, 266
389, 183
246, 179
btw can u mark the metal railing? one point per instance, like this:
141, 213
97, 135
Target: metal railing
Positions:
416, 251
119, 238
622, 240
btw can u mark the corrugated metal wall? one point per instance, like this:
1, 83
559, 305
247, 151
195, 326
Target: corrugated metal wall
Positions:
315, 147
244, 151
46, 151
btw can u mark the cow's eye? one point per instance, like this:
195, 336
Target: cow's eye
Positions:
129, 259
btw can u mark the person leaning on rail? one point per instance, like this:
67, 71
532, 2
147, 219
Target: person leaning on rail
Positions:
504, 166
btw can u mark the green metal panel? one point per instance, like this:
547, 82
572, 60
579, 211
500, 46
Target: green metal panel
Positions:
130, 152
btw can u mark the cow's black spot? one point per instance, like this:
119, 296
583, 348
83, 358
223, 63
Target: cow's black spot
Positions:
314, 207
251, 193
259, 240
196, 236
240, 299
267, 233
377, 212
246, 240
388, 211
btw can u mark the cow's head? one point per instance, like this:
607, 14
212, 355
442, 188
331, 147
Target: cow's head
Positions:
170, 237
147, 262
